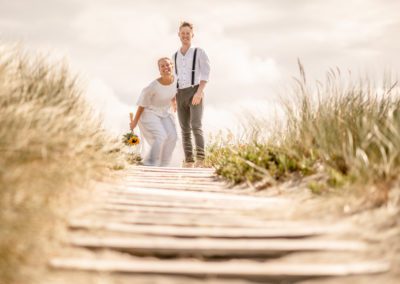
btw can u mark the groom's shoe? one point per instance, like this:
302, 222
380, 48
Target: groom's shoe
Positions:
199, 164
187, 164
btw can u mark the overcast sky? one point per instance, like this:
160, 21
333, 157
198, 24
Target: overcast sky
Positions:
253, 45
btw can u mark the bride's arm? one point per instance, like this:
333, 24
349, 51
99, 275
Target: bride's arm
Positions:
135, 121
173, 103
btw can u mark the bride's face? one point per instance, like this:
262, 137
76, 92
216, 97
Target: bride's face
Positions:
165, 67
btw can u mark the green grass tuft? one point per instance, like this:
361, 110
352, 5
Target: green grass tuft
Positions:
347, 129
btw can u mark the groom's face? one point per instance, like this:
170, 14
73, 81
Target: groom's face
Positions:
185, 35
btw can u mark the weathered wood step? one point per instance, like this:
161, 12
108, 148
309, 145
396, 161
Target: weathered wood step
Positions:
182, 204
266, 271
165, 210
226, 196
198, 232
171, 169
214, 247
173, 173
177, 219
191, 172
131, 195
176, 178
137, 195
177, 181
188, 186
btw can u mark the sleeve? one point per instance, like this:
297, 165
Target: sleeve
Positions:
146, 96
204, 64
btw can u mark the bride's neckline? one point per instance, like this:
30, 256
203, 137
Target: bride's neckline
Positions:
173, 79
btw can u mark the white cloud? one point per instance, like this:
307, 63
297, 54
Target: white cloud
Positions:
253, 45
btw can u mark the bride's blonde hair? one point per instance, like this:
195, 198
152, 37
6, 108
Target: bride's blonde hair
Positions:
164, 58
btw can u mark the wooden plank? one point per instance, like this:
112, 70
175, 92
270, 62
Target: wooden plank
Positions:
171, 169
186, 204
202, 220
220, 196
198, 198
198, 232
267, 271
177, 219
176, 178
132, 195
177, 181
214, 247
130, 188
190, 172
188, 186
164, 210
170, 175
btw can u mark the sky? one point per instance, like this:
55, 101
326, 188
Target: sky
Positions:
253, 46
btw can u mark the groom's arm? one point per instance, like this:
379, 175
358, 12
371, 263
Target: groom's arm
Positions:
204, 64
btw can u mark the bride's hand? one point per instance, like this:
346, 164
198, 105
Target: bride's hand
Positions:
132, 125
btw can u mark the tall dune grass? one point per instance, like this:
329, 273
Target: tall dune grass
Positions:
50, 143
347, 128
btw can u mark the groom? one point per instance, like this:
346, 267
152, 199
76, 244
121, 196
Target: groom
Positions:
192, 68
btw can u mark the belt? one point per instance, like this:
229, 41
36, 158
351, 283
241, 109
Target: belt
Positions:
188, 88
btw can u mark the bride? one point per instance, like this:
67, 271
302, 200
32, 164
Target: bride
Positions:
155, 115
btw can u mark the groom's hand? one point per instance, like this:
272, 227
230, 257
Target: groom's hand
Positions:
197, 98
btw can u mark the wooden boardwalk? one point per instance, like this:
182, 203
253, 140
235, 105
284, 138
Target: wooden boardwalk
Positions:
174, 222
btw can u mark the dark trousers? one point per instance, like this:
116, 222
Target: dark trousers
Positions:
190, 117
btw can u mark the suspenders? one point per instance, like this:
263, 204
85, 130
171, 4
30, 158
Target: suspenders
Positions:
193, 67
176, 70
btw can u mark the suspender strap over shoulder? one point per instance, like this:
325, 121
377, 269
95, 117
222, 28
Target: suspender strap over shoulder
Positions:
194, 65
176, 70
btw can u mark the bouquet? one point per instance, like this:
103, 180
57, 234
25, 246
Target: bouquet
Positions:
130, 139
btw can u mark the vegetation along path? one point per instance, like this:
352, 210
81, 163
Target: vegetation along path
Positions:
176, 225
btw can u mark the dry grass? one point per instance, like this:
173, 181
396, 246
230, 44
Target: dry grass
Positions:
347, 129
352, 126
50, 143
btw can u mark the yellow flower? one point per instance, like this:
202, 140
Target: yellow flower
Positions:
130, 139
134, 140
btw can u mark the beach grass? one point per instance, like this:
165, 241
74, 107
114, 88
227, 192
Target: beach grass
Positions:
51, 146
345, 128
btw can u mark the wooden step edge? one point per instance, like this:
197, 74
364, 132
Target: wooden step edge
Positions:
196, 232
231, 269
214, 247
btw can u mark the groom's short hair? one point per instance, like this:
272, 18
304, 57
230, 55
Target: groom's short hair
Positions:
186, 24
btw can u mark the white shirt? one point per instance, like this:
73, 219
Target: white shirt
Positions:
157, 98
184, 65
